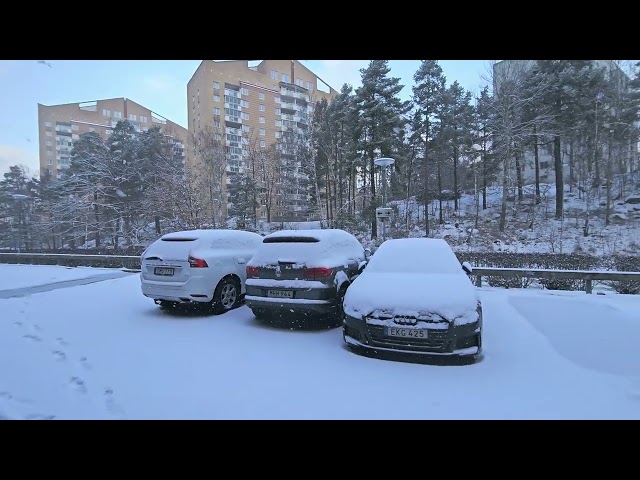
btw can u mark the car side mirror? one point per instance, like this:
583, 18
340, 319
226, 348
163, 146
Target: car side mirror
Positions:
466, 266
367, 253
362, 266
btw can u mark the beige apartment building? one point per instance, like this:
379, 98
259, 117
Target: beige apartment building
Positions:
60, 125
253, 107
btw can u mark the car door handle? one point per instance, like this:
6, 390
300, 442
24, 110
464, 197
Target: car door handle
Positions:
241, 261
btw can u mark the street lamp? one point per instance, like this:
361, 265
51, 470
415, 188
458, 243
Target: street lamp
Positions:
384, 163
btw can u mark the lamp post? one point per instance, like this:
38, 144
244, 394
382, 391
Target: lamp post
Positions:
384, 163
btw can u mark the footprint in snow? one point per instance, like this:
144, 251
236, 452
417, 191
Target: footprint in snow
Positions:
18, 324
84, 363
39, 416
62, 342
112, 407
59, 355
78, 384
35, 338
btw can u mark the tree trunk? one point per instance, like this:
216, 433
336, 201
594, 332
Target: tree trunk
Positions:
536, 159
372, 179
455, 177
571, 168
519, 175
484, 176
440, 217
557, 154
426, 186
505, 191
97, 218
609, 181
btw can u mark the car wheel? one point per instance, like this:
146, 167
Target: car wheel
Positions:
338, 316
226, 296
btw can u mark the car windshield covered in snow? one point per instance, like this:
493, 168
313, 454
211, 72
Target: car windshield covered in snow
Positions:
415, 255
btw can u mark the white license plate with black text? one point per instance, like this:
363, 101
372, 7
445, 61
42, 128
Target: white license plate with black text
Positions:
406, 332
280, 294
164, 271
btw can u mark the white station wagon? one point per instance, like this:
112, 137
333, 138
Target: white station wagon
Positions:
198, 267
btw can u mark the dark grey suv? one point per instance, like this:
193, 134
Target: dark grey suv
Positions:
303, 272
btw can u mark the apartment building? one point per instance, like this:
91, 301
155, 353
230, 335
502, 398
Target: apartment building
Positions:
60, 125
258, 106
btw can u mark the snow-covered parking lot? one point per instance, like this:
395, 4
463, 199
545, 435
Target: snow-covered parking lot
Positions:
103, 350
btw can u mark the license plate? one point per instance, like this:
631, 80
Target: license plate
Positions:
406, 332
280, 294
164, 271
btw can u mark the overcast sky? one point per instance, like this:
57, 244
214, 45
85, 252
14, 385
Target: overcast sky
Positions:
160, 85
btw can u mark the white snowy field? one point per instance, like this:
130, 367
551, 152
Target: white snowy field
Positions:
104, 351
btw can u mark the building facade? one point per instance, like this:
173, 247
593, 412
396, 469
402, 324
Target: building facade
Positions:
257, 108
60, 125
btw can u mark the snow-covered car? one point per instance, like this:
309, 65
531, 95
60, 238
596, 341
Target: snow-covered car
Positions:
198, 267
305, 272
414, 297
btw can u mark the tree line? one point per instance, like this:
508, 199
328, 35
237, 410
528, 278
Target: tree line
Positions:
444, 140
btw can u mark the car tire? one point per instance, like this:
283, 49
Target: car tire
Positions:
166, 305
226, 296
338, 316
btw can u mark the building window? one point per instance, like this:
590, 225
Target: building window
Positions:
285, 78
245, 128
216, 123
48, 134
309, 85
216, 98
244, 91
91, 129
277, 111
262, 132
49, 162
117, 114
216, 86
278, 123
106, 112
47, 124
143, 119
274, 75
261, 96
114, 123
277, 99
277, 134
244, 116
261, 108
216, 111
244, 104
133, 117
261, 119
48, 143
49, 151
299, 82
263, 143
217, 136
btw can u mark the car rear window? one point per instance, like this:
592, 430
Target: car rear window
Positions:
177, 239
290, 240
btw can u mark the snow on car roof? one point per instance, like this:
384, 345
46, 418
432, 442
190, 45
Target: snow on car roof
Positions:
321, 235
415, 255
210, 234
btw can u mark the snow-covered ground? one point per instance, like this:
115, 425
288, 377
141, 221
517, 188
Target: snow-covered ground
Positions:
20, 276
105, 351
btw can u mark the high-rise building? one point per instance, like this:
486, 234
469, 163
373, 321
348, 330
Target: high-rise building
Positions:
60, 125
257, 107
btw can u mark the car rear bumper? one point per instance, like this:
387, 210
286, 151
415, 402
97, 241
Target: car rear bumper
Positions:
288, 304
460, 340
192, 291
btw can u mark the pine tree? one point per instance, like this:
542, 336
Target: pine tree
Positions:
380, 112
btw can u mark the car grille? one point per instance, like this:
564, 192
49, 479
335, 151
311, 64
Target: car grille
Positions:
435, 339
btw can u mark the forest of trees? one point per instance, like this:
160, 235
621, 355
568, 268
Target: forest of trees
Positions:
445, 141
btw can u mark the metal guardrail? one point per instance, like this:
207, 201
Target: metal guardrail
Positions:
586, 275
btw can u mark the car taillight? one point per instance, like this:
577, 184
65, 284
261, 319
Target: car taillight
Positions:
252, 272
197, 262
316, 273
